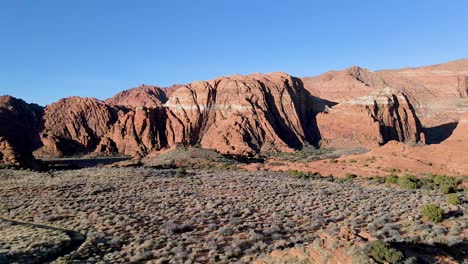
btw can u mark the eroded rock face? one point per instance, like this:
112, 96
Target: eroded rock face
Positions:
20, 124
138, 133
75, 125
237, 115
439, 91
9, 154
243, 114
370, 121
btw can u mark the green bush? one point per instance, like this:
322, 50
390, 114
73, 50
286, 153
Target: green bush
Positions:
427, 183
408, 182
446, 188
303, 175
383, 253
433, 213
452, 198
391, 179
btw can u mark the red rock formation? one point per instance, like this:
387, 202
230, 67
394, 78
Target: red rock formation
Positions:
8, 154
340, 86
242, 114
237, 115
144, 95
75, 125
138, 133
370, 121
20, 124
439, 91
249, 114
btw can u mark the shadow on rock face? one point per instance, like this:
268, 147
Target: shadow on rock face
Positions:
431, 253
437, 134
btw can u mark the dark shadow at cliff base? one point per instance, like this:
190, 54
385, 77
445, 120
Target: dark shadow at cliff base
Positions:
427, 254
79, 163
437, 134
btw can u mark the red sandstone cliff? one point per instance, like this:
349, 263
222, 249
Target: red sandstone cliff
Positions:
236, 115
370, 121
246, 115
75, 125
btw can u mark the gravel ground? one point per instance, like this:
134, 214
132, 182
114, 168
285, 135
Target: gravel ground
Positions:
136, 214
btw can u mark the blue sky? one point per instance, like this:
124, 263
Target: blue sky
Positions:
51, 49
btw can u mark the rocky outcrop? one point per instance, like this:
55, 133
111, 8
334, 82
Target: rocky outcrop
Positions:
370, 121
438, 92
9, 154
241, 115
75, 125
144, 95
20, 124
138, 133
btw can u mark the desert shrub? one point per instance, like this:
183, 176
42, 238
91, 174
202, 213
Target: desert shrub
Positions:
383, 253
302, 175
451, 181
408, 182
432, 213
391, 179
446, 188
427, 183
452, 198
350, 176
378, 180
181, 172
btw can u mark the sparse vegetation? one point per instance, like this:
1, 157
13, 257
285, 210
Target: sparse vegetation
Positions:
383, 253
452, 198
408, 182
181, 172
391, 179
140, 214
432, 213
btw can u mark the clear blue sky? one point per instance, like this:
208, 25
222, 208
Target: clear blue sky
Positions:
57, 48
